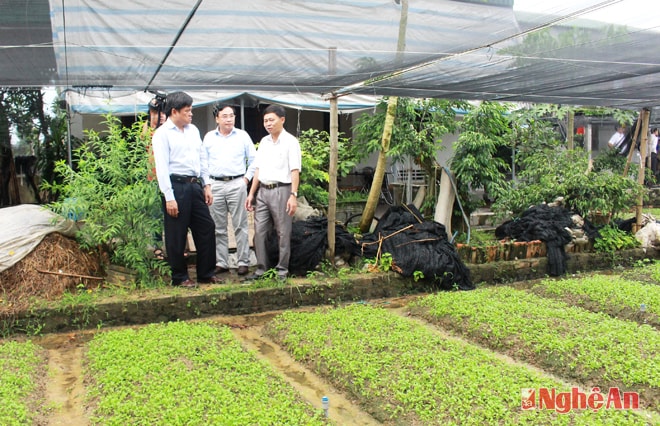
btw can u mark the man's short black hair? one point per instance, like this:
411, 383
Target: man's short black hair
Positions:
220, 106
177, 100
278, 110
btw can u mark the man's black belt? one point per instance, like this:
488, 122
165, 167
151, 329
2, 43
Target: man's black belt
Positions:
273, 185
225, 178
185, 179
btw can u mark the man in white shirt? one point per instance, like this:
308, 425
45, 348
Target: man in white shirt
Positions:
231, 167
653, 153
274, 191
616, 141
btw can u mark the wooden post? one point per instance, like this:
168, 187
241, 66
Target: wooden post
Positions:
334, 158
332, 172
646, 114
570, 130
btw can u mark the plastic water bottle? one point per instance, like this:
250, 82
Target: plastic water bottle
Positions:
326, 405
642, 307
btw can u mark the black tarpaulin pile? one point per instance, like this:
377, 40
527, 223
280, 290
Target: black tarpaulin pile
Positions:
309, 242
544, 223
417, 245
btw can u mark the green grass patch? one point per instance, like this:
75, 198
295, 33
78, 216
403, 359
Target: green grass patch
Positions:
187, 374
621, 298
403, 372
655, 212
21, 367
593, 348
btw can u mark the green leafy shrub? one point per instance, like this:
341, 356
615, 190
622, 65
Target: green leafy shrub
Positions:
613, 239
108, 189
477, 162
555, 172
545, 169
419, 126
314, 177
610, 160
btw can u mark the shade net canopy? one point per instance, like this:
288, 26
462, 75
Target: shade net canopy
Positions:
580, 52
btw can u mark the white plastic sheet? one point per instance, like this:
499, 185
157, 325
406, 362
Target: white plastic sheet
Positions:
23, 228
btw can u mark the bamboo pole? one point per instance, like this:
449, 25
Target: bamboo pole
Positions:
632, 146
64, 274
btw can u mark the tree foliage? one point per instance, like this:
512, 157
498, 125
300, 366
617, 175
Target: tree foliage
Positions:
24, 114
546, 170
315, 147
419, 125
477, 161
110, 191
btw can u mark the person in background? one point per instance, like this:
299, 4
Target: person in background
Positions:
653, 153
274, 191
156, 115
155, 120
616, 141
181, 170
231, 155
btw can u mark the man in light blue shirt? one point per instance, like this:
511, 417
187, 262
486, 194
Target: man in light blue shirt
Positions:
231, 166
181, 172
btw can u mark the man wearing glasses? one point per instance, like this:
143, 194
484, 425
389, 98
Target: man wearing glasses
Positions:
231, 167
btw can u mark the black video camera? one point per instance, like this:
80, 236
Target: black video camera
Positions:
158, 102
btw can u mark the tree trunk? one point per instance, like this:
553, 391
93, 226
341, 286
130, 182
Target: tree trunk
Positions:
5, 152
379, 173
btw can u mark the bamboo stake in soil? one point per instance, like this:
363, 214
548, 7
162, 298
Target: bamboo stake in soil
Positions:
71, 275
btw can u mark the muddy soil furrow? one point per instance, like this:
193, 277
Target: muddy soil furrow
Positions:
65, 392
310, 386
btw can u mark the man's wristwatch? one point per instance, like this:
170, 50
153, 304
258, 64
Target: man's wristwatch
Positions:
294, 193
